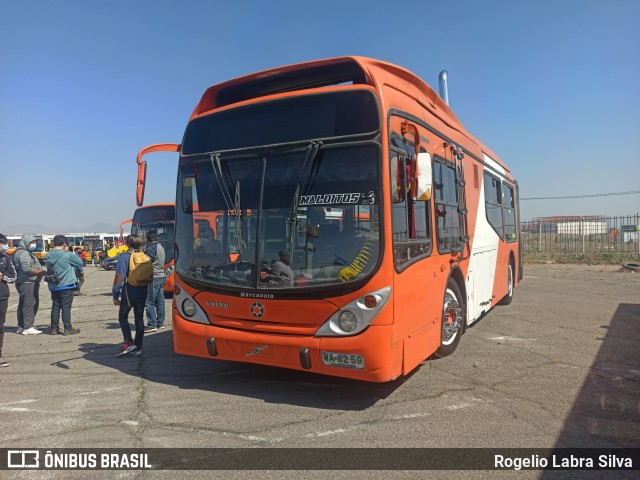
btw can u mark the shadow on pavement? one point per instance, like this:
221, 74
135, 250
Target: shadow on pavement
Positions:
160, 364
606, 412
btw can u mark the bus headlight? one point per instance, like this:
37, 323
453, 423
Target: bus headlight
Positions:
189, 307
347, 321
168, 271
356, 316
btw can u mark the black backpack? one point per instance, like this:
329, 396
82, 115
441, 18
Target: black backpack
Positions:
51, 276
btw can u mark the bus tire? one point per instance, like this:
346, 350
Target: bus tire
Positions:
508, 298
452, 320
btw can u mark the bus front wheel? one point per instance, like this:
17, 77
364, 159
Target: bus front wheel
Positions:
452, 320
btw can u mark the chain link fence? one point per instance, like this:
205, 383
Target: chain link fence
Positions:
579, 236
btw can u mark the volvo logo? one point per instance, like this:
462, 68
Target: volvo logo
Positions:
217, 304
257, 310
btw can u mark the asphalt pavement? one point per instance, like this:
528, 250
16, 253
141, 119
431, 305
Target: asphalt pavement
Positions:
559, 367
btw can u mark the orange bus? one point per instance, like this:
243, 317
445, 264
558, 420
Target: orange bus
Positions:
160, 217
361, 228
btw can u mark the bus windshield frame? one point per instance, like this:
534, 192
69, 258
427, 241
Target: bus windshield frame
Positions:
302, 215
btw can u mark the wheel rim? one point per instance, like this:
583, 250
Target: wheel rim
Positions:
510, 286
451, 318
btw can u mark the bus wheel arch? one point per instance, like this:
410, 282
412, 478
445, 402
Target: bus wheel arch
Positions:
453, 318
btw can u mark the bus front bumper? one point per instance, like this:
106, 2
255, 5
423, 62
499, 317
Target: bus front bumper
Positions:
367, 356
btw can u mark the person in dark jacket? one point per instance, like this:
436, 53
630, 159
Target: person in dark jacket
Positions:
127, 297
155, 294
7, 276
64, 264
29, 275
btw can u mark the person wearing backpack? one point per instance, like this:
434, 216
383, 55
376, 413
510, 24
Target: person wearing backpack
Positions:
61, 285
134, 273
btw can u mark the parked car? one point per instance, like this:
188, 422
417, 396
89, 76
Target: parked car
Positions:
109, 263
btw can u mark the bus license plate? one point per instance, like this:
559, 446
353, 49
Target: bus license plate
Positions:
344, 360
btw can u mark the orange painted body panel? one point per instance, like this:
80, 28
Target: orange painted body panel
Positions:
418, 294
277, 316
283, 350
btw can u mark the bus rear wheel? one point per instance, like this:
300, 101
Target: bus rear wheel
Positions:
452, 320
510, 282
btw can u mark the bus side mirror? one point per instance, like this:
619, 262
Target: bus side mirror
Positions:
142, 177
142, 166
122, 224
423, 177
421, 174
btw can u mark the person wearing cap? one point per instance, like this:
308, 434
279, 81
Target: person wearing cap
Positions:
155, 296
7, 276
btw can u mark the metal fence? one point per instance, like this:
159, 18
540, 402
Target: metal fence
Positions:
578, 236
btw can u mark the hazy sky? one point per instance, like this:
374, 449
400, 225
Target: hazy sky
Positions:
552, 86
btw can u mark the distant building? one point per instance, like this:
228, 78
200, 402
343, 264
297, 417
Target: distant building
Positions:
570, 225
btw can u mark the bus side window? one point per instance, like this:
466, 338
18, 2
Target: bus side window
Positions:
510, 229
411, 226
446, 200
397, 179
493, 203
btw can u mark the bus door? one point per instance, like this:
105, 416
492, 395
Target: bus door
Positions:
452, 224
417, 291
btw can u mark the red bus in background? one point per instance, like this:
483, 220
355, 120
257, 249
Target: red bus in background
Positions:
160, 217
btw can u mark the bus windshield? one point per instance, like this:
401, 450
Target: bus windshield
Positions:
160, 218
297, 217
165, 232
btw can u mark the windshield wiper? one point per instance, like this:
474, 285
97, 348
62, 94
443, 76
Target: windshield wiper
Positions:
223, 182
237, 212
232, 202
292, 220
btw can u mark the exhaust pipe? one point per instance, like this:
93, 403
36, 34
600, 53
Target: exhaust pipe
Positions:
444, 88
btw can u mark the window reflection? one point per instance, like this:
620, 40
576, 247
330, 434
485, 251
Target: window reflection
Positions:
307, 220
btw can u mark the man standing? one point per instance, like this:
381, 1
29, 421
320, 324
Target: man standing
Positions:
30, 274
127, 297
64, 264
7, 275
155, 295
